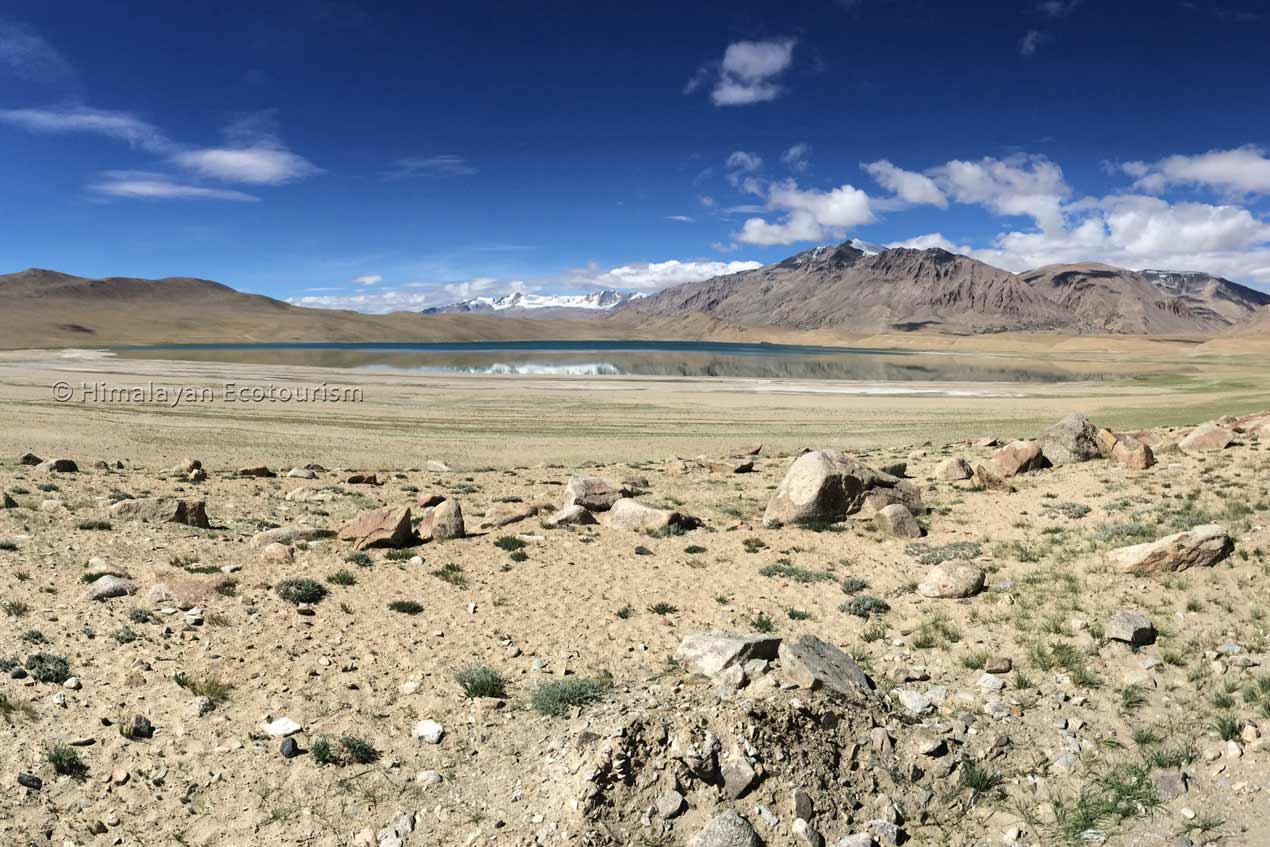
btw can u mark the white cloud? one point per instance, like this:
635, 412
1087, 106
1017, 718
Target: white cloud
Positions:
368, 279
798, 157
908, 186
1032, 186
264, 163
373, 302
121, 126
934, 239
653, 276
153, 186
484, 286
1243, 170
29, 56
741, 167
1031, 42
683, 219
749, 72
431, 166
809, 215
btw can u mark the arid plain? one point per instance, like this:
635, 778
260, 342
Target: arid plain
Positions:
200, 652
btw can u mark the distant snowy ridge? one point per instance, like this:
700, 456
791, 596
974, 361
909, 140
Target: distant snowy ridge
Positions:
602, 300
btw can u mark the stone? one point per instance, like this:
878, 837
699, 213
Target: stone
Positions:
437, 466
196, 475
140, 728
429, 778
289, 748
814, 664
912, 701
727, 830
858, 839
1018, 457
443, 522
627, 513
386, 527
886, 833
109, 587
999, 664
828, 486
1169, 784
7, 502
989, 479
591, 492
1131, 628
428, 499
301, 473
897, 521
807, 834
57, 466
259, 471
738, 776
1207, 437
289, 534
1071, 440
363, 479
502, 514
429, 732
575, 515
710, 652
954, 579
1203, 547
276, 552
953, 470
30, 459
281, 728
1126, 449
30, 781
803, 806
670, 804
163, 510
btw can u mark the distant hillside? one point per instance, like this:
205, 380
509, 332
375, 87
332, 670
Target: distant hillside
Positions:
894, 290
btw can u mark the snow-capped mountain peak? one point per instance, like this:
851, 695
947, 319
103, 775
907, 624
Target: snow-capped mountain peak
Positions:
602, 300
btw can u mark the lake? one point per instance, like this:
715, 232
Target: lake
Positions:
599, 359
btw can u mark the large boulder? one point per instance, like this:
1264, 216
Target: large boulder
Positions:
163, 510
1201, 547
953, 470
989, 478
897, 522
1206, 437
1073, 439
710, 652
289, 534
57, 466
628, 513
814, 664
574, 515
591, 492
443, 521
1018, 457
386, 527
109, 586
1127, 450
502, 514
828, 486
259, 471
953, 579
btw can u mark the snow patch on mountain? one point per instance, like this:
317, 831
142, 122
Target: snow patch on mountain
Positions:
602, 300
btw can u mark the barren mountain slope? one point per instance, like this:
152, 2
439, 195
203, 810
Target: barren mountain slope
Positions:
898, 289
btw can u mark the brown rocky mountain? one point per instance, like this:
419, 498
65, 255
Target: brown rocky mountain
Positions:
1102, 298
903, 290
844, 287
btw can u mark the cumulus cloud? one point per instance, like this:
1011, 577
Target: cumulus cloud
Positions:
29, 56
653, 276
143, 185
749, 73
1031, 186
798, 157
1243, 170
807, 215
908, 186
431, 166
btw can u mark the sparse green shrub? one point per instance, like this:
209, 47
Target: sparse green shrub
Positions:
46, 667
480, 681
301, 590
452, 573
556, 697
342, 577
865, 605
66, 762
406, 607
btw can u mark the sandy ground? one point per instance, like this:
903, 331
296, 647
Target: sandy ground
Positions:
611, 604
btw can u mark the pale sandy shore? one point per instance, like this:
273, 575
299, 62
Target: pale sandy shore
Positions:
478, 421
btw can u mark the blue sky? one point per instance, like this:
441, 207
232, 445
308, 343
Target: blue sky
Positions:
380, 156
